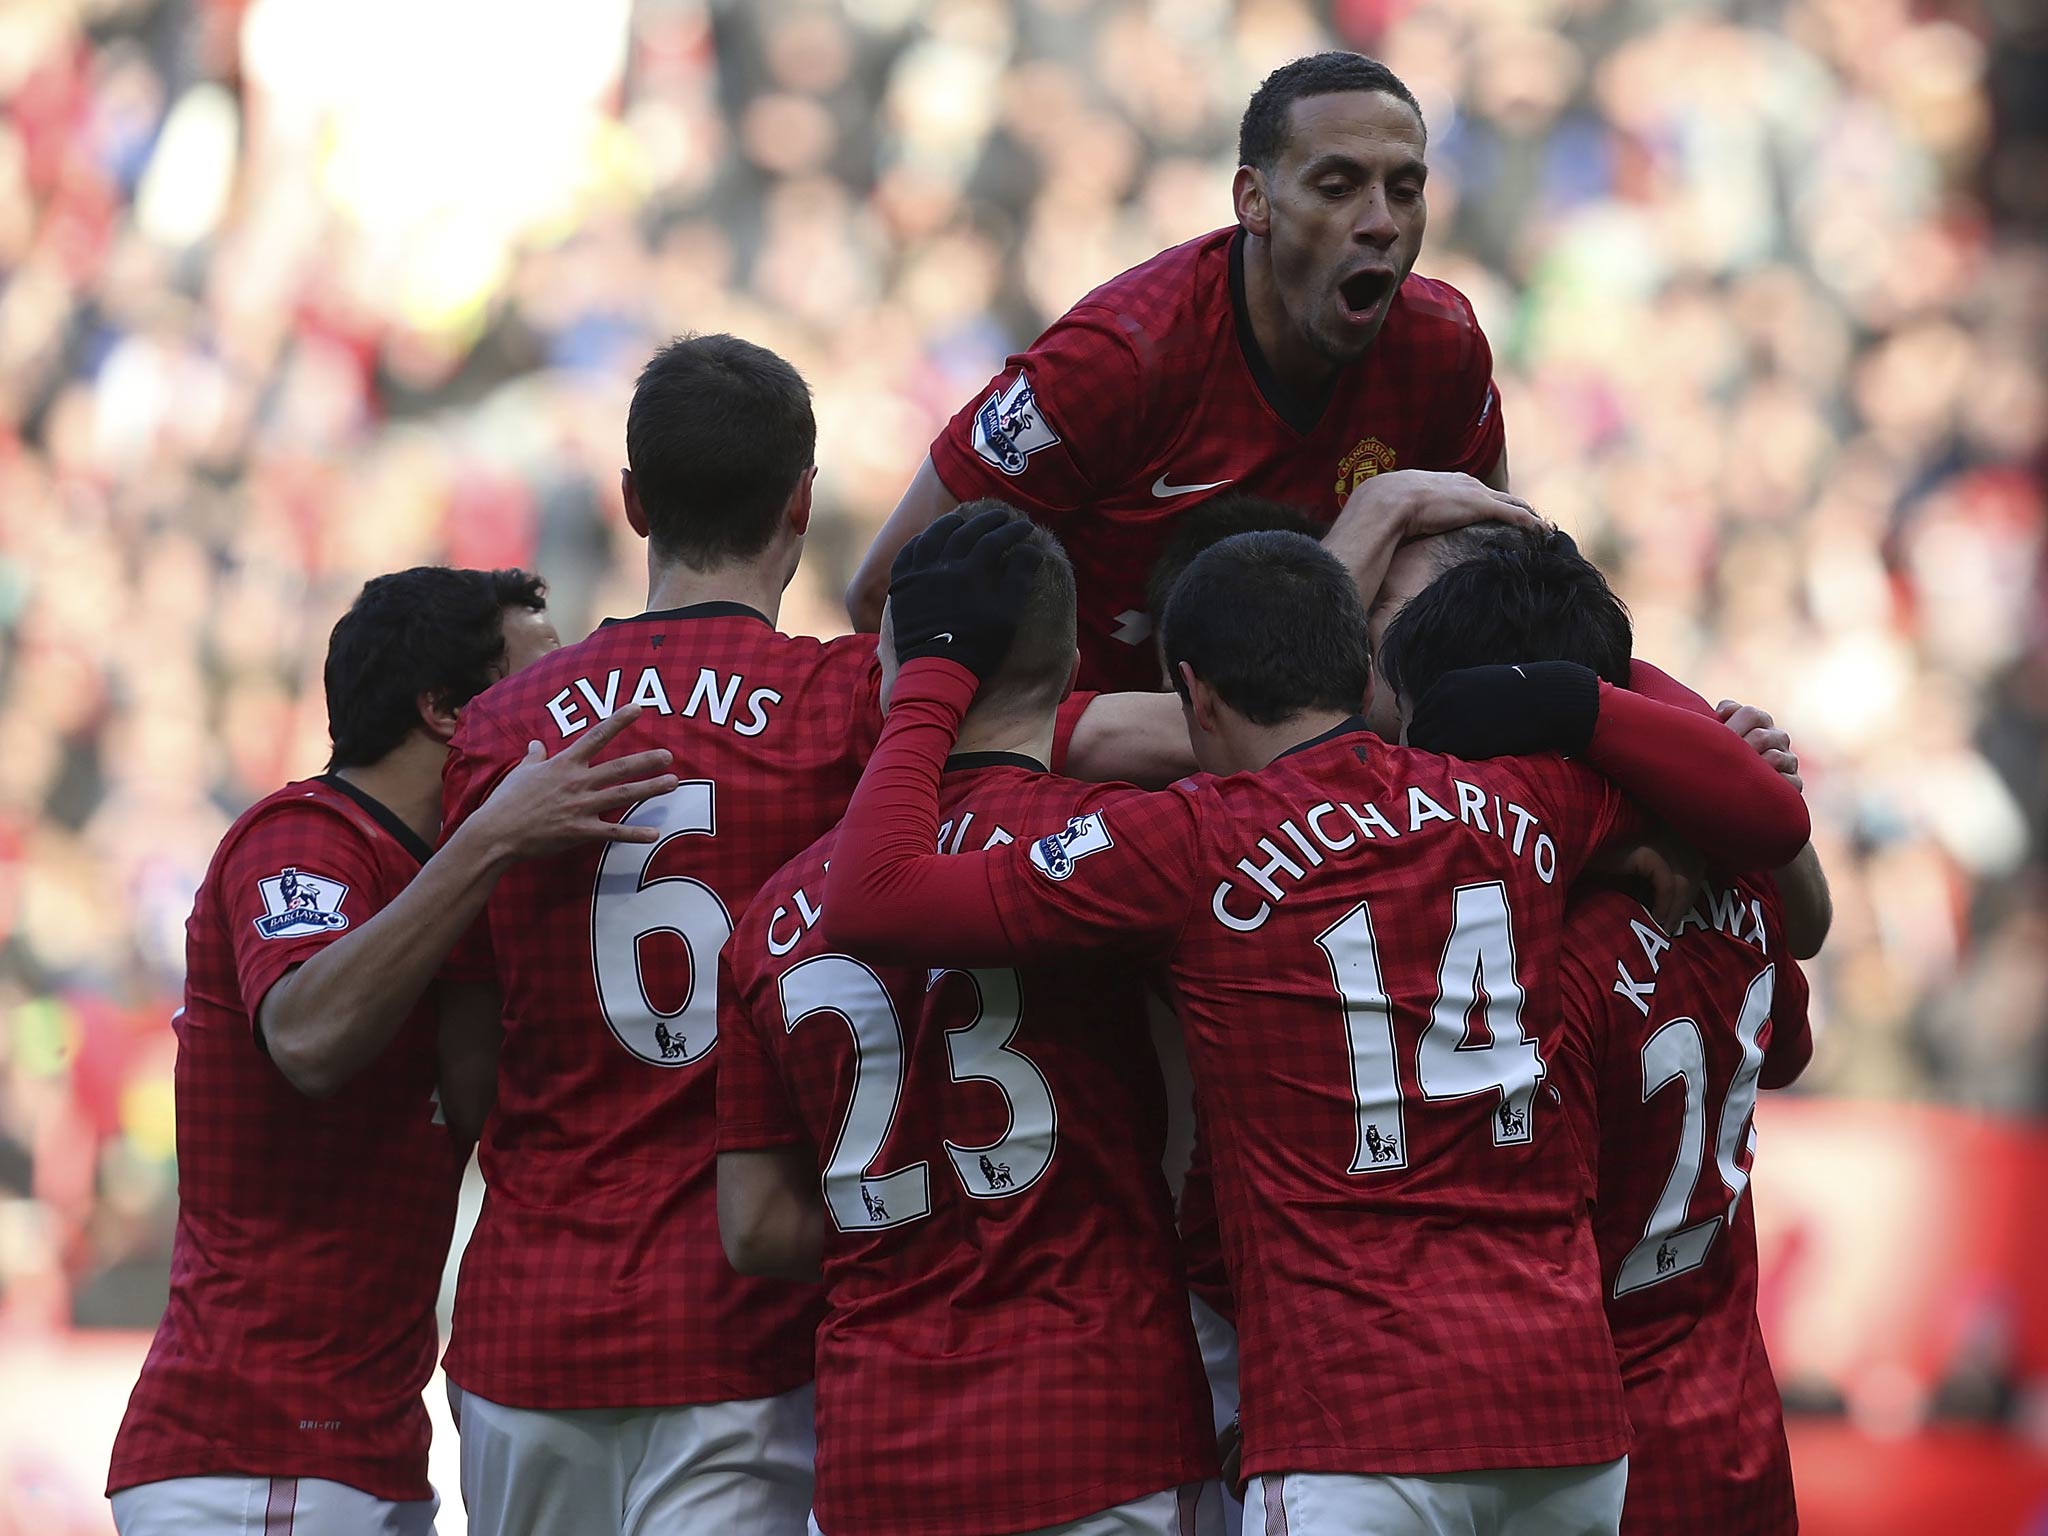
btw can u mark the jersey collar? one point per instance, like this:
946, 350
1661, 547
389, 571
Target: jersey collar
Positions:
1344, 728
1299, 412
719, 610
384, 816
960, 762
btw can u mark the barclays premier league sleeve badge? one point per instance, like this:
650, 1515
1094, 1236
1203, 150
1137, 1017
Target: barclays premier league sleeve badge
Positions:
1010, 427
297, 904
1055, 855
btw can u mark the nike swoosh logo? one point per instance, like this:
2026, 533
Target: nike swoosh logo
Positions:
947, 636
1162, 489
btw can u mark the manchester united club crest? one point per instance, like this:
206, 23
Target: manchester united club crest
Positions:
1371, 457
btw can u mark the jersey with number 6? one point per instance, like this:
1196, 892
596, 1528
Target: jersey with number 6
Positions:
1680, 1032
595, 1278
1006, 1344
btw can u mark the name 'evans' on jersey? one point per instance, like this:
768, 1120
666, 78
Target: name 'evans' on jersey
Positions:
712, 696
1338, 827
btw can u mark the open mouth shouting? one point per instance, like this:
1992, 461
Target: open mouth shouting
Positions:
1364, 295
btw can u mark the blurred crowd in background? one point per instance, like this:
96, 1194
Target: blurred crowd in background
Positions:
292, 293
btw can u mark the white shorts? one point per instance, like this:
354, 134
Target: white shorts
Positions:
1169, 1513
265, 1506
1219, 1513
703, 1467
1538, 1501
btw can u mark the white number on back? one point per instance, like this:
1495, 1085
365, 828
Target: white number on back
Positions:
1478, 961
1669, 1247
627, 907
859, 1199
1015, 1160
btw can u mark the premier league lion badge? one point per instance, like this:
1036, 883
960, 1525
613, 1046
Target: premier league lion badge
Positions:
297, 904
1010, 427
1055, 855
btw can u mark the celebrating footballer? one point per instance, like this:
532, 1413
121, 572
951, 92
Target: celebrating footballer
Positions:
1222, 741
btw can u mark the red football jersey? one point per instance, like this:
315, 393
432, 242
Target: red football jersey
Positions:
595, 1278
1363, 942
1150, 395
311, 1232
1201, 1236
1679, 1032
1006, 1344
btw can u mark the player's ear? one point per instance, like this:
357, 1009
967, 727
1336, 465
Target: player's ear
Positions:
1248, 193
1073, 673
636, 515
799, 509
1201, 699
437, 716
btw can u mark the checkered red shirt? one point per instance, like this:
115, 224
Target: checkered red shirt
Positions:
1682, 1030
1201, 1237
1006, 1345
595, 1278
311, 1233
1407, 1239
1150, 395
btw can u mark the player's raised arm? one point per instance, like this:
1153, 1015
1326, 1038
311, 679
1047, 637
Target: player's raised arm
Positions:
923, 503
1441, 654
329, 1017
1680, 766
956, 599
1387, 510
1802, 884
1043, 436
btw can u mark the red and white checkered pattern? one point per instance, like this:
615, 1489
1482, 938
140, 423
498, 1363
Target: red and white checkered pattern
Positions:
1002, 1363
1146, 386
311, 1233
595, 1278
1709, 1453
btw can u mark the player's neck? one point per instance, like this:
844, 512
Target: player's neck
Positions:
1252, 747
406, 781
1297, 365
757, 584
1005, 731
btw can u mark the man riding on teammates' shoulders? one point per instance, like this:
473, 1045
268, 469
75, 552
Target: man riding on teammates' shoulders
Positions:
1294, 354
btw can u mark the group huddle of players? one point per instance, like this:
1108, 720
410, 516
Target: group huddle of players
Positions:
819, 1010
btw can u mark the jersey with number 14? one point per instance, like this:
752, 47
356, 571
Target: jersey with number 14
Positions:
1363, 943
1681, 1031
1005, 1346
596, 1278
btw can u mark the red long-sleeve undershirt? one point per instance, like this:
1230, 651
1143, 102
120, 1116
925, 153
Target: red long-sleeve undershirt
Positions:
888, 892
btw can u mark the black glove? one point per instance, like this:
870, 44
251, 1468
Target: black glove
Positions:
959, 589
1479, 712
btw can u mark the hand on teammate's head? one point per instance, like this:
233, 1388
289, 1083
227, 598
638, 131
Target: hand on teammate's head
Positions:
959, 589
